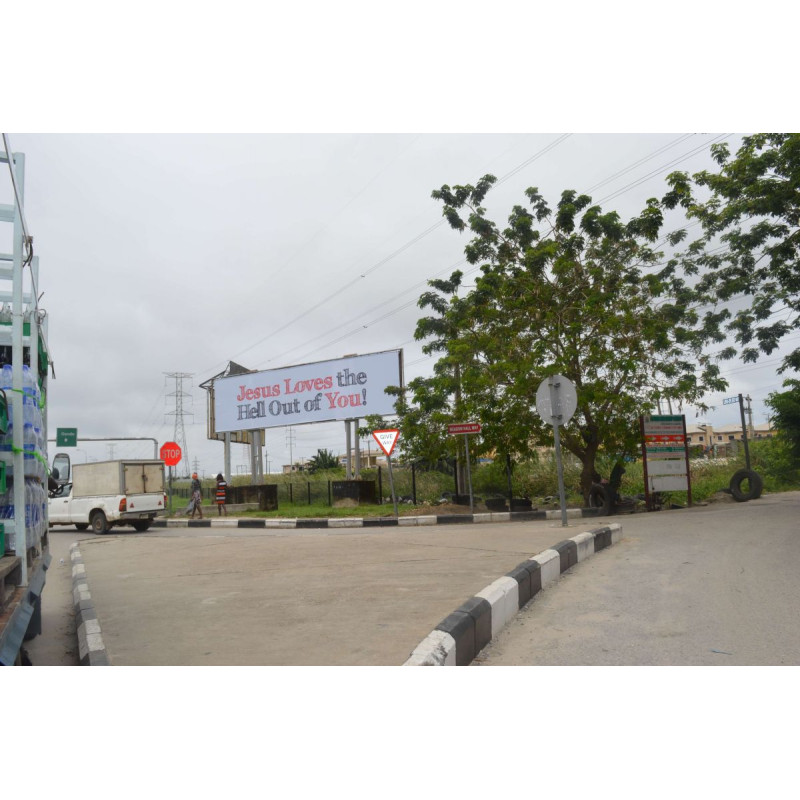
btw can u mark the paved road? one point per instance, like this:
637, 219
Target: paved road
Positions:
57, 646
707, 586
295, 597
679, 586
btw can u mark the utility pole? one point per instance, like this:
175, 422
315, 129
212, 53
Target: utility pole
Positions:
749, 410
179, 434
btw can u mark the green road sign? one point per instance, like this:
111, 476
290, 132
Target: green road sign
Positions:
66, 437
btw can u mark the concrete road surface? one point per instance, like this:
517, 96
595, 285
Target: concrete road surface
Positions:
709, 586
219, 596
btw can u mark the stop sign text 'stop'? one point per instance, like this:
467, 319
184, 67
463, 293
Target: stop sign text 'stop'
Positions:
170, 454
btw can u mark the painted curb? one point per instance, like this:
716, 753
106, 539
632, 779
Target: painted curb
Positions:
460, 636
91, 648
374, 522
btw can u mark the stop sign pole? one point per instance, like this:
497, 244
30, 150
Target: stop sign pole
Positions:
170, 454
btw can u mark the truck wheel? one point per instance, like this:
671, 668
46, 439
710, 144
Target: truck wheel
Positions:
141, 527
755, 485
99, 522
81, 526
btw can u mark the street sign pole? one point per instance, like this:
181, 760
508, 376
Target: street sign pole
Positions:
469, 475
556, 404
391, 486
466, 428
386, 440
744, 433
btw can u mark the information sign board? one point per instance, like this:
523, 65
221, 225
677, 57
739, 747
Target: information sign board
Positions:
665, 455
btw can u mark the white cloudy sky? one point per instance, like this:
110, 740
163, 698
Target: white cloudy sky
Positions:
177, 252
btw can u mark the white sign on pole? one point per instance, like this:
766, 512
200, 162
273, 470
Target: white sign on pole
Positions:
386, 439
556, 402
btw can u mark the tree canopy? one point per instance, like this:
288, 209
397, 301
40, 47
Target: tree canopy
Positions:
572, 290
786, 414
749, 212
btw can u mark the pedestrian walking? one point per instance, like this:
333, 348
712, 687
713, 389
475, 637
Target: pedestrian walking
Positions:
197, 496
222, 495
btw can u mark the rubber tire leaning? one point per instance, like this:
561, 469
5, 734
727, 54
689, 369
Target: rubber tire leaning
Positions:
600, 497
755, 489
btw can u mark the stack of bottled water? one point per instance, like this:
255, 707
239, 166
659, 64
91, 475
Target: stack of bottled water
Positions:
35, 457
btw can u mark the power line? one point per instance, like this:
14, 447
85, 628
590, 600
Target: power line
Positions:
394, 254
664, 167
641, 161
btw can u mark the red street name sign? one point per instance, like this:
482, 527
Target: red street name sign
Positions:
170, 454
464, 427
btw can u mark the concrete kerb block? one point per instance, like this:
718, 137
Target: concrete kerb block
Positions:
437, 649
585, 544
523, 579
227, 523
550, 565
345, 522
568, 551
461, 626
481, 612
503, 596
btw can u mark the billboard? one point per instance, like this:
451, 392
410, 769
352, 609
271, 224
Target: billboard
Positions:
324, 391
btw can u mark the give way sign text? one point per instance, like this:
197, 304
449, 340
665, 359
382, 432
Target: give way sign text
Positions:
386, 439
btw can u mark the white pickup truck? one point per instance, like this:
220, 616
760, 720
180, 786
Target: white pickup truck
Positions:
105, 494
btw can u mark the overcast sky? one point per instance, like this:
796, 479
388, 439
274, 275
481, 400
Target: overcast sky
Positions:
178, 252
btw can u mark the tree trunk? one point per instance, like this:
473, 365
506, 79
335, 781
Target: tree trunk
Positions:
588, 473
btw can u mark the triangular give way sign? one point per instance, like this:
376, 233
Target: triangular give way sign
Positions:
386, 439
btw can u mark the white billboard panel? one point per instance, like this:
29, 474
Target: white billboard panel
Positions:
345, 388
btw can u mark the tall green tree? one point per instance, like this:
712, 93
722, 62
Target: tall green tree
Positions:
750, 245
786, 414
324, 459
572, 290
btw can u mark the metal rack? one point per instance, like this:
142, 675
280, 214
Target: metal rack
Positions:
27, 331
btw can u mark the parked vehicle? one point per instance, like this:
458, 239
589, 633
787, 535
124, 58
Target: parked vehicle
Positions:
105, 494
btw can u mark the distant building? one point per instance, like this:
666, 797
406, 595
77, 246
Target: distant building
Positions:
722, 438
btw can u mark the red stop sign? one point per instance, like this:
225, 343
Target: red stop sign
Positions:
170, 453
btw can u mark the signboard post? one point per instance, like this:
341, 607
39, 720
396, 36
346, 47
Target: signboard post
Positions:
466, 428
171, 455
386, 440
556, 402
665, 456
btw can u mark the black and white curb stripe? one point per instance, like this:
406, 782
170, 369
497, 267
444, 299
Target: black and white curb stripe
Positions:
373, 522
91, 649
460, 636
